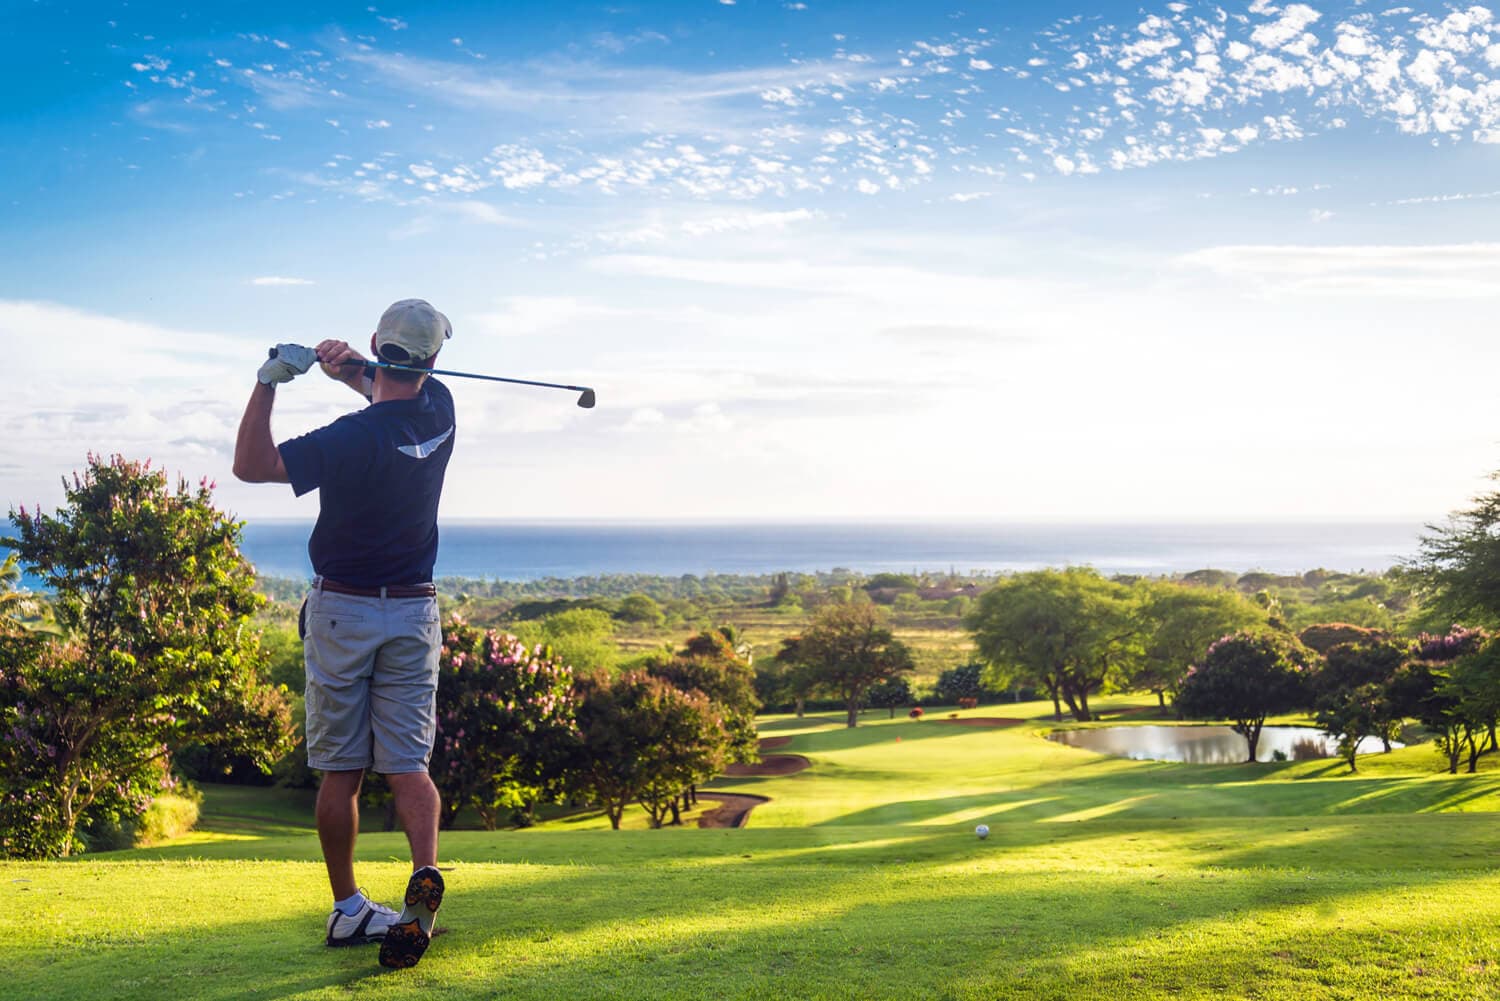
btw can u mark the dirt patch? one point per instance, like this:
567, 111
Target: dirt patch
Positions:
981, 721
733, 809
771, 743
770, 764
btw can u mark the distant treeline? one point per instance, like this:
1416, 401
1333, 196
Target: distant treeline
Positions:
744, 587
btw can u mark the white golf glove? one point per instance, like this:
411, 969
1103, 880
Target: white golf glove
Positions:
291, 361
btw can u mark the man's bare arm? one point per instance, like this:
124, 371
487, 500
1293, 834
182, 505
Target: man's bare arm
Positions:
256, 458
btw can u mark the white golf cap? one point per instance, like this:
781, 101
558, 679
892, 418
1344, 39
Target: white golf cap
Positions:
411, 331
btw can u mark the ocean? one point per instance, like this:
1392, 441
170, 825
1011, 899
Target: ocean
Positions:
530, 551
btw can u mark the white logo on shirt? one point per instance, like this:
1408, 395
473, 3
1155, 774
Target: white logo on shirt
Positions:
426, 448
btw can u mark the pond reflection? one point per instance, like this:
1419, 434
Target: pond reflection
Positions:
1207, 745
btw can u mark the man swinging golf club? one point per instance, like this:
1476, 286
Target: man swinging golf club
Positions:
370, 623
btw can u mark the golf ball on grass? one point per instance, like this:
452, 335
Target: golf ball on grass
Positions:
983, 830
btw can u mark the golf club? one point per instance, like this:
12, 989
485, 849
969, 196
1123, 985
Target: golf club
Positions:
585, 398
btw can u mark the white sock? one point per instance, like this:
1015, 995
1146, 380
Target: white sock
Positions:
350, 906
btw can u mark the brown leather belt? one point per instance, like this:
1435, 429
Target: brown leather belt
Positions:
390, 591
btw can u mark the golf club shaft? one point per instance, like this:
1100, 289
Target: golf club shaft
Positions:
462, 375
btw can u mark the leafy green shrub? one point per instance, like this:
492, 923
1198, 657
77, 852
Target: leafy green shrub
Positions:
153, 598
170, 815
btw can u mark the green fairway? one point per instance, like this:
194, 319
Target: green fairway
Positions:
860, 879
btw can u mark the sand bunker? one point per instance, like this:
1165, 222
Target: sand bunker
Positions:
770, 764
771, 743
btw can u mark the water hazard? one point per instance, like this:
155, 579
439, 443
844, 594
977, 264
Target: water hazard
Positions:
1208, 745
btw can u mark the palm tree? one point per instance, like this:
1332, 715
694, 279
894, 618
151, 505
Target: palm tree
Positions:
15, 604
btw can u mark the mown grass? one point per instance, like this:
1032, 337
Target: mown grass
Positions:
861, 879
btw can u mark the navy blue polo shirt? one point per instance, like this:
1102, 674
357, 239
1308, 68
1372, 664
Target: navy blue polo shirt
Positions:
380, 473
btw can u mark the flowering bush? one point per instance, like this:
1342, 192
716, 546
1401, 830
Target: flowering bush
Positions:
1444, 648
505, 724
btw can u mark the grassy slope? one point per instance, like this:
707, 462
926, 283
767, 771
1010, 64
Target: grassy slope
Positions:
936, 646
1102, 878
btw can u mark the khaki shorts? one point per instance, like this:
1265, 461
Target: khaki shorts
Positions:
372, 667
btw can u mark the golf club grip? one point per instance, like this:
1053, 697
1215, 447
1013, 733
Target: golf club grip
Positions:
272, 353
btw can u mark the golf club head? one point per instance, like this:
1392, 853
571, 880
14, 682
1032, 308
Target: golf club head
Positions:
586, 401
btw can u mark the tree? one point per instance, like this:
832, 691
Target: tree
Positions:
786, 677
1453, 689
1244, 678
153, 598
1178, 623
849, 650
1352, 694
640, 608
641, 738
1070, 632
582, 638
890, 694
1475, 684
710, 664
505, 724
965, 682
690, 748
1457, 570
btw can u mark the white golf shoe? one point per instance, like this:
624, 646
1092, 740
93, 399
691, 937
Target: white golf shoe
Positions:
366, 925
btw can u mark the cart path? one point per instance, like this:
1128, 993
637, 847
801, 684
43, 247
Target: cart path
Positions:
733, 809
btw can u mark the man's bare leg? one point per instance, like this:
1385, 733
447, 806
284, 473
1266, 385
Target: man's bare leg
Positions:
417, 806
338, 826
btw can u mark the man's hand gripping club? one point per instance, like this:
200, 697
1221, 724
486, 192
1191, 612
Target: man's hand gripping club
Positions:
290, 361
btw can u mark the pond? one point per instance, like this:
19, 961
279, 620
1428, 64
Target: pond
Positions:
1207, 745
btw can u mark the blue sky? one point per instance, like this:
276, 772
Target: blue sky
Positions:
820, 260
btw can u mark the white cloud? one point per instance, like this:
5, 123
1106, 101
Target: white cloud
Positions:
1179, 83
532, 315
1295, 19
280, 280
644, 417
179, 406
745, 221
1423, 271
